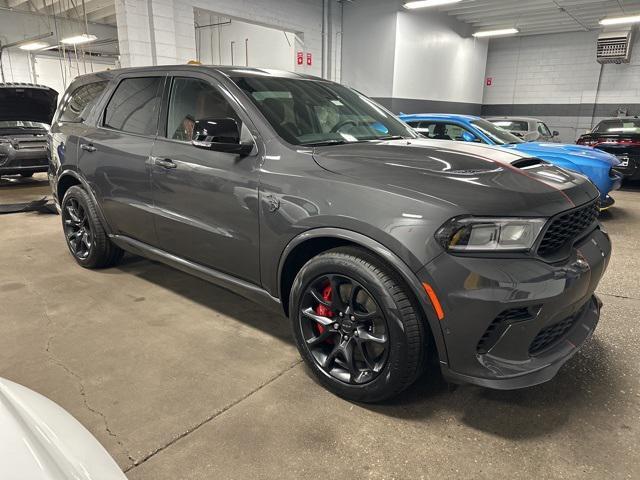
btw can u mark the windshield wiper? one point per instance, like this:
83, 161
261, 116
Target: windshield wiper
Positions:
325, 143
390, 137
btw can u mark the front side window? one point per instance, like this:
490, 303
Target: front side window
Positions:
134, 106
316, 112
194, 100
81, 101
543, 129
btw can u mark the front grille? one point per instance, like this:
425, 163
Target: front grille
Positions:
35, 144
566, 227
499, 324
551, 335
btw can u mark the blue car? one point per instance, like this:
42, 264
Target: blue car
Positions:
595, 164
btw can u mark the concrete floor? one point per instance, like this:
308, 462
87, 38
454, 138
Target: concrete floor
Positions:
181, 380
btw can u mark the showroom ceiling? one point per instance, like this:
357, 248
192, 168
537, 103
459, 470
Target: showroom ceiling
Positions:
540, 16
97, 11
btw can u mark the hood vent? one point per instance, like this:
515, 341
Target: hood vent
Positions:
614, 47
527, 163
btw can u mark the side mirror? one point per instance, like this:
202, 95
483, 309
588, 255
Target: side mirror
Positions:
555, 133
219, 135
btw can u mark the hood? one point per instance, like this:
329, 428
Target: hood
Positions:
480, 179
570, 152
23, 101
41, 441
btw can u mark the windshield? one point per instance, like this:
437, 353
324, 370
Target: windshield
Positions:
517, 125
495, 133
618, 125
316, 112
22, 124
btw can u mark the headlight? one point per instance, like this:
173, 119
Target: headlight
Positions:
477, 234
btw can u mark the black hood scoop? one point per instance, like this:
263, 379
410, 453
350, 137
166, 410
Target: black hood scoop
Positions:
27, 102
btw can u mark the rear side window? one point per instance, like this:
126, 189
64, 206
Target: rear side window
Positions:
134, 106
81, 101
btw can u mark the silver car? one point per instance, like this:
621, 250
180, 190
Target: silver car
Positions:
527, 128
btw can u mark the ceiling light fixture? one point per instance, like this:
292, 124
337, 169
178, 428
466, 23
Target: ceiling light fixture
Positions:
33, 45
620, 20
428, 3
496, 33
77, 39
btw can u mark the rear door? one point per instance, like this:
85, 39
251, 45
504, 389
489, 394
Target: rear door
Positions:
114, 154
206, 201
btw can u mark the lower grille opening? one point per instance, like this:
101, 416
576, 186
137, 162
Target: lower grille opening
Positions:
553, 334
499, 324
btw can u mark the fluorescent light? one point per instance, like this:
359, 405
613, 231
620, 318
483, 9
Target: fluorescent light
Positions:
34, 45
84, 38
620, 20
428, 3
495, 33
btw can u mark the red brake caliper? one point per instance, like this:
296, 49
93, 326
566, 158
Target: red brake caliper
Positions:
323, 310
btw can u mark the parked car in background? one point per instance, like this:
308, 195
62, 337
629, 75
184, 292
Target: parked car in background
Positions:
26, 111
526, 128
309, 197
41, 441
619, 137
595, 164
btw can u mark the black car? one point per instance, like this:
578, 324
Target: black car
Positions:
26, 111
308, 197
620, 137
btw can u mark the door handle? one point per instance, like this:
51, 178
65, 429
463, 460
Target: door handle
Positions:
164, 162
88, 147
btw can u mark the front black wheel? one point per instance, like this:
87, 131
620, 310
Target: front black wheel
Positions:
86, 238
356, 326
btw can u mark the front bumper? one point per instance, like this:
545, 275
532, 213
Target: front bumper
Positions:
13, 161
513, 322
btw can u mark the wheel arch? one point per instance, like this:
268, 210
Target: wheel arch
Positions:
68, 179
313, 242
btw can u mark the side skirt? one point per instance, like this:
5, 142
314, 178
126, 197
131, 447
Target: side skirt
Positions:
229, 282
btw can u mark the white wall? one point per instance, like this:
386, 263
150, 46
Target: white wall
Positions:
412, 61
253, 45
369, 46
555, 78
172, 38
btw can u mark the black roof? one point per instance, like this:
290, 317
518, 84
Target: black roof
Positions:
228, 70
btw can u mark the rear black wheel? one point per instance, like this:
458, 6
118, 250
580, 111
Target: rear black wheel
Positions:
86, 238
26, 174
355, 325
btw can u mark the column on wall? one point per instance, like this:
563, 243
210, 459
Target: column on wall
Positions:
155, 32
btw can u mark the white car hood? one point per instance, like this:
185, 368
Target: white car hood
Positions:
39, 440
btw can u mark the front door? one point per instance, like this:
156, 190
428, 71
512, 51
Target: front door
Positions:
115, 156
206, 202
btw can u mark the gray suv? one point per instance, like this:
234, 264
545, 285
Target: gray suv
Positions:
382, 247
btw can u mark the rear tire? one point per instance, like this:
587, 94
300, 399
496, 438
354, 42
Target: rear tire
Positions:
26, 174
381, 316
86, 238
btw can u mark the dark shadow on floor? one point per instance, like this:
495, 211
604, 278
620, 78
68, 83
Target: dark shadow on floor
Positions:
208, 295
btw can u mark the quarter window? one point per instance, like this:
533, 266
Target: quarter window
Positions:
81, 101
134, 106
191, 100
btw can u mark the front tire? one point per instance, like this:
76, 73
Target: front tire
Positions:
356, 326
86, 238
26, 174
